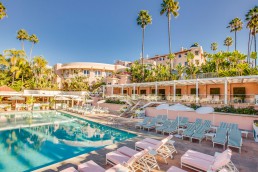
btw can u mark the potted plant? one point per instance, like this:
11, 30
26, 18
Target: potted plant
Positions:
43, 107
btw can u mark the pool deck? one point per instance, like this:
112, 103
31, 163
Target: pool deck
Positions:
247, 161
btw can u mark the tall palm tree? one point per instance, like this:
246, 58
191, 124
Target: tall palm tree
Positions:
22, 35
235, 25
171, 58
214, 46
180, 69
34, 40
228, 42
252, 24
169, 7
2, 11
143, 20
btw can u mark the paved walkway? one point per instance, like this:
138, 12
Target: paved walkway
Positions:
247, 161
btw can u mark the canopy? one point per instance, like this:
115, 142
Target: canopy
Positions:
16, 98
61, 98
163, 106
205, 110
180, 107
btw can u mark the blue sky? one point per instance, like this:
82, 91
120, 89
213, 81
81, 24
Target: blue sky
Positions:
105, 31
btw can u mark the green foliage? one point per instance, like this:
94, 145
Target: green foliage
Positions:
2, 11
114, 101
143, 18
78, 83
230, 109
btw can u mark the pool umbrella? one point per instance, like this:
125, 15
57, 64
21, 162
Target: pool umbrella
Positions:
179, 107
164, 106
206, 110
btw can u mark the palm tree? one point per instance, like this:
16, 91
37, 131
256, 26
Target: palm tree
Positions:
180, 70
235, 25
171, 58
252, 23
39, 66
189, 58
169, 7
214, 46
22, 35
2, 11
218, 58
143, 20
3, 61
228, 42
34, 40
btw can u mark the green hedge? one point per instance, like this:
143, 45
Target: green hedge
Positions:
114, 101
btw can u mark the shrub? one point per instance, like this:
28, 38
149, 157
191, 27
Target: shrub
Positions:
114, 101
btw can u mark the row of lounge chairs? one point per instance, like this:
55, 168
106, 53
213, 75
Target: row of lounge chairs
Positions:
87, 110
228, 134
127, 159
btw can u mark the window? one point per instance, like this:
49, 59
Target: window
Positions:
196, 53
143, 92
214, 91
125, 91
178, 92
179, 56
153, 91
86, 72
108, 73
185, 54
186, 63
97, 73
193, 91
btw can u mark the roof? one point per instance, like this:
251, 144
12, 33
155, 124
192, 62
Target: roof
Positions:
5, 88
221, 80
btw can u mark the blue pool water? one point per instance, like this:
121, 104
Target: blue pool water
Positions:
31, 141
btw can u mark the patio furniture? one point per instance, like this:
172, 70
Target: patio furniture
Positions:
160, 148
216, 99
172, 128
165, 125
208, 99
144, 122
183, 122
175, 169
150, 125
235, 139
70, 169
209, 136
220, 137
202, 162
189, 131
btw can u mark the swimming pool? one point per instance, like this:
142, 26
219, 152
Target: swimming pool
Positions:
29, 141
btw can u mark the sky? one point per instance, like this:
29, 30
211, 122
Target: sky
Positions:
105, 31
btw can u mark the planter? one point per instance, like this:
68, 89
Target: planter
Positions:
113, 107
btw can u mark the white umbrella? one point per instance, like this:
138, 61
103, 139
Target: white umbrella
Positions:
206, 110
179, 107
164, 106
16, 98
62, 98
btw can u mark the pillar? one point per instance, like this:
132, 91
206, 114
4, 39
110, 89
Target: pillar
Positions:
226, 92
174, 96
197, 91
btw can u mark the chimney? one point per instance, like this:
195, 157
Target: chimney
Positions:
182, 49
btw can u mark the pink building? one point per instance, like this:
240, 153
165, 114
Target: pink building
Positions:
109, 73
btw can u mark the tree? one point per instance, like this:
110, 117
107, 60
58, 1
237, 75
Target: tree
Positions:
218, 58
195, 45
180, 70
143, 20
39, 66
189, 57
228, 42
34, 40
235, 25
169, 7
22, 35
252, 24
171, 58
214, 46
3, 13
253, 56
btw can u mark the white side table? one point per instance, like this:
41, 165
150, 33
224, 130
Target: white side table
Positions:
245, 133
214, 128
209, 136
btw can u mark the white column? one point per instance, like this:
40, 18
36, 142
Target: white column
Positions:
122, 90
112, 90
226, 92
134, 91
197, 92
174, 96
156, 90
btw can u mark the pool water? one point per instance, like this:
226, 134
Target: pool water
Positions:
31, 141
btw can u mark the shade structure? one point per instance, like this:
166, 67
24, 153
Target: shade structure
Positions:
101, 101
16, 98
180, 107
62, 98
164, 106
205, 110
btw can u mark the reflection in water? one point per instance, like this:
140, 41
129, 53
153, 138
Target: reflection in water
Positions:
50, 138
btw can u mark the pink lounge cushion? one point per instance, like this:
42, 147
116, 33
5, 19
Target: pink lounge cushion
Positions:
70, 169
117, 168
200, 155
117, 157
90, 166
144, 145
196, 162
222, 160
175, 169
150, 140
127, 151
137, 157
